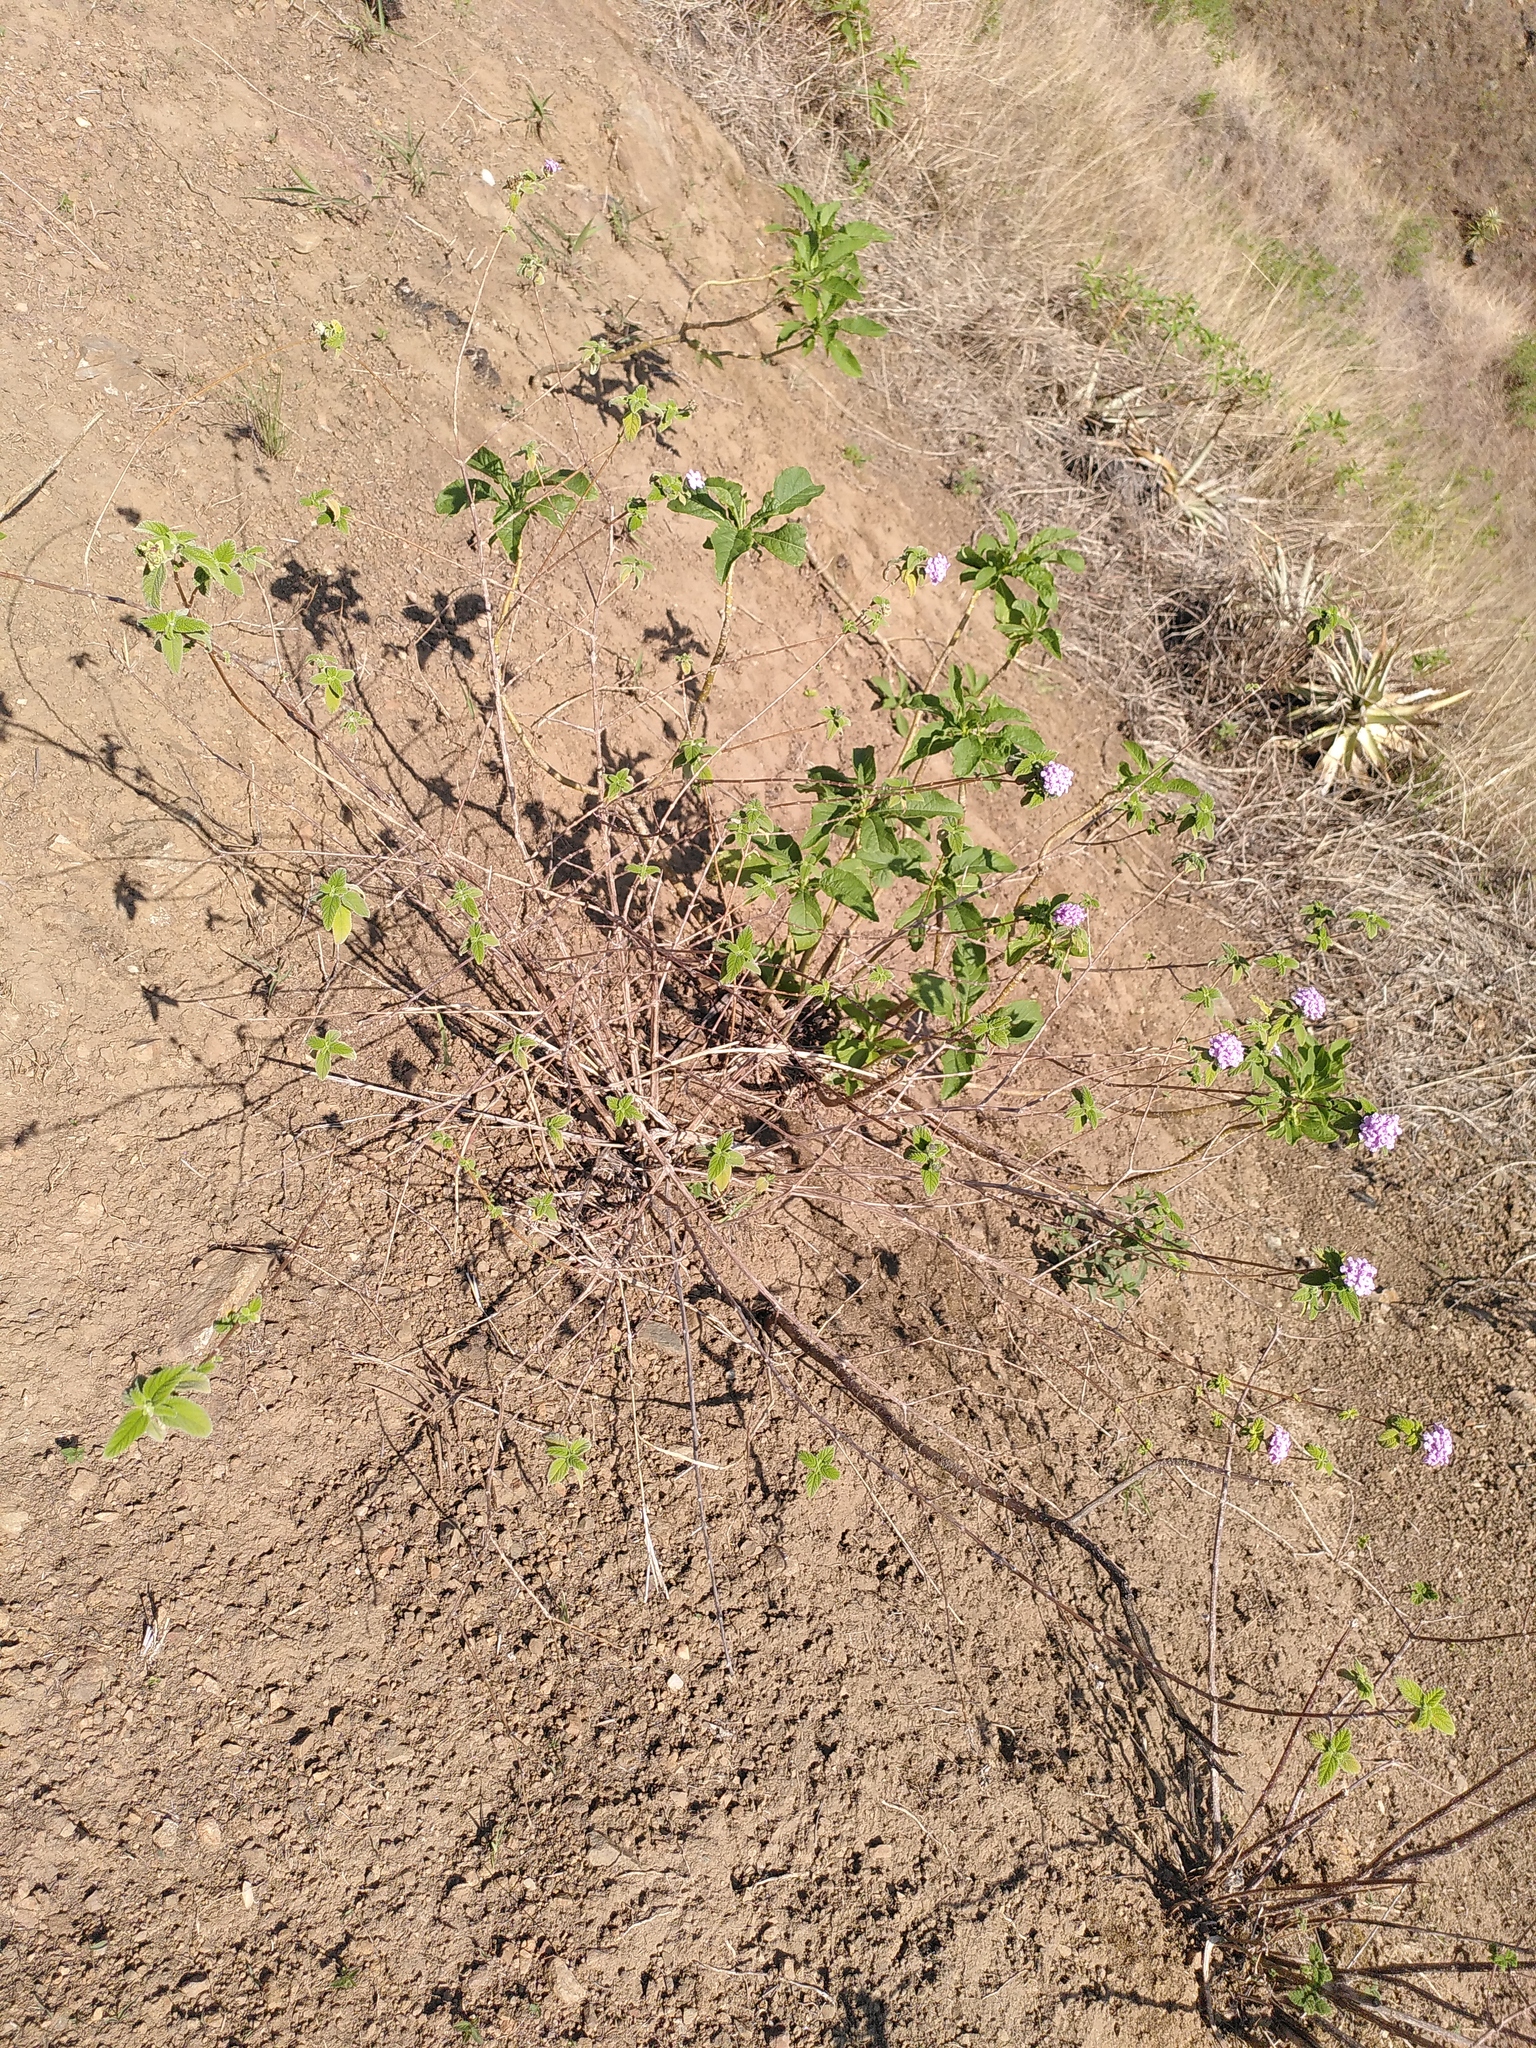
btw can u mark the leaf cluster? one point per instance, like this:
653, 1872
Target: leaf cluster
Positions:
822, 277
515, 497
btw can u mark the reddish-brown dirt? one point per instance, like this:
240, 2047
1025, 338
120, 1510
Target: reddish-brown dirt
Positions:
347, 1725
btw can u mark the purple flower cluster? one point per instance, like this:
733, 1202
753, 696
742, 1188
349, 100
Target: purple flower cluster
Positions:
1359, 1276
936, 568
1226, 1049
551, 167
694, 479
1055, 778
1439, 1446
1068, 916
1312, 1003
1380, 1131
1278, 1449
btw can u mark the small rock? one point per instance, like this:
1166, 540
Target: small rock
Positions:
84, 1690
1520, 1402
568, 1987
167, 1835
662, 1337
209, 1833
675, 1682
83, 1485
13, 1521
601, 1853
248, 1895
90, 1208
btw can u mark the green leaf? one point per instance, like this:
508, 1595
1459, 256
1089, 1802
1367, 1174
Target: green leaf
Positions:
128, 1431
326, 1047
339, 902
178, 1413
567, 1459
821, 1469
792, 489
785, 543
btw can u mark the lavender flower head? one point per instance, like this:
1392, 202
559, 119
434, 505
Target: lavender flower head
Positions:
1278, 1449
1068, 916
1312, 1003
551, 167
936, 568
694, 479
1226, 1049
1380, 1131
1055, 778
1359, 1276
1439, 1446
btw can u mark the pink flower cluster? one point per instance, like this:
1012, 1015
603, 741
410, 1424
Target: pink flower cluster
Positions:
1226, 1049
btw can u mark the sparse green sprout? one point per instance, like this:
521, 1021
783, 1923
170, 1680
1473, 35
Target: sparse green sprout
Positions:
541, 1207
264, 415
347, 1976
479, 940
1083, 1112
1307, 1997
567, 1459
328, 509
820, 1470
239, 1318
326, 1047
1402, 1433
555, 1129
330, 680
694, 757
1421, 1593
338, 904
928, 1154
403, 156
174, 632
624, 1109
1110, 1256
641, 410
71, 1450
1365, 1686
1502, 1958
726, 1158
331, 335
535, 492
1429, 1713
618, 784
1335, 1755
633, 570
160, 1403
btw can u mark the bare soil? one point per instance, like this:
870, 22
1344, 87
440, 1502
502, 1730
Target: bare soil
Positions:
347, 1725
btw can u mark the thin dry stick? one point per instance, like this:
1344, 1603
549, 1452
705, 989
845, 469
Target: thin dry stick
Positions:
1221, 1518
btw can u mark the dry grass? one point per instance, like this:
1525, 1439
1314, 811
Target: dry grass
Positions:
1021, 157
